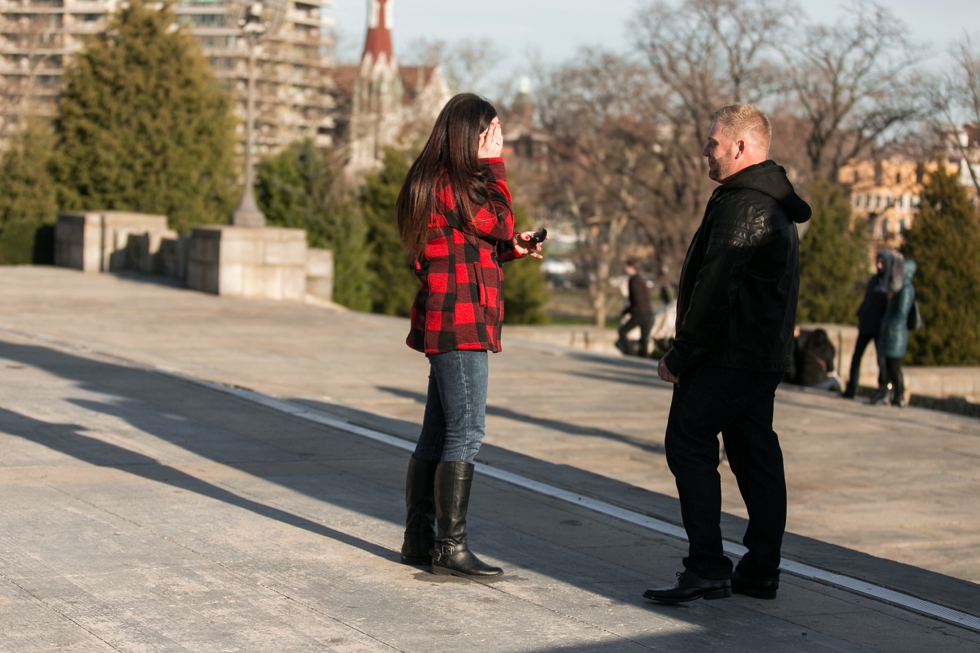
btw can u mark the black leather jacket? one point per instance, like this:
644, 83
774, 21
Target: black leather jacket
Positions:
736, 302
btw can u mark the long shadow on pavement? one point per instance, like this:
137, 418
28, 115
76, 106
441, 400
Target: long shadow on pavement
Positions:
553, 424
71, 440
149, 401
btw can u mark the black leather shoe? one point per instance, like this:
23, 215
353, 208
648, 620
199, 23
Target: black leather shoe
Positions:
690, 587
758, 587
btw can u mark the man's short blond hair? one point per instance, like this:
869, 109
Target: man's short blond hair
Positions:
744, 122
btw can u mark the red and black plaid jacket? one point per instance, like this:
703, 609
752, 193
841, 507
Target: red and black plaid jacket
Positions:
460, 303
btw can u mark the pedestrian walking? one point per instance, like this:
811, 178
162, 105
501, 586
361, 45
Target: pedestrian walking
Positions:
736, 309
870, 313
455, 219
895, 330
639, 310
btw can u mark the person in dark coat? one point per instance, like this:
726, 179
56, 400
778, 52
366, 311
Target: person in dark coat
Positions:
870, 313
816, 361
736, 310
641, 315
895, 330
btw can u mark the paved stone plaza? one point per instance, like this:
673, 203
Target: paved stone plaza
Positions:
146, 512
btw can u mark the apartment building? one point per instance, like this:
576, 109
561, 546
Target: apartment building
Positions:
294, 83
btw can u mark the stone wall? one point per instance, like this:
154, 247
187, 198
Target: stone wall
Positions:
266, 262
99, 241
954, 389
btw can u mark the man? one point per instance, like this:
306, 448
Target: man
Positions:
641, 315
736, 309
870, 315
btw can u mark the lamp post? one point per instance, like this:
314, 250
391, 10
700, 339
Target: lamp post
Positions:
255, 19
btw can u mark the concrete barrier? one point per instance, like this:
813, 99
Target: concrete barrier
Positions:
99, 241
952, 389
319, 274
257, 262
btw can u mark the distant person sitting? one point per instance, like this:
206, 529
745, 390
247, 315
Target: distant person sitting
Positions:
639, 310
816, 362
870, 314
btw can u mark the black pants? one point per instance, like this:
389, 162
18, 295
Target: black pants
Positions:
739, 405
645, 322
859, 347
896, 378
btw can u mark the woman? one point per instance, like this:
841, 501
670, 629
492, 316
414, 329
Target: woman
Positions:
895, 329
454, 217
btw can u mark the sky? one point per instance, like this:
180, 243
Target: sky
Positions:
556, 29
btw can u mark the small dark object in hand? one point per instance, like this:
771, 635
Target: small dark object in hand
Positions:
536, 237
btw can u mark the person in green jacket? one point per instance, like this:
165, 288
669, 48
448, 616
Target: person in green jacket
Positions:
895, 331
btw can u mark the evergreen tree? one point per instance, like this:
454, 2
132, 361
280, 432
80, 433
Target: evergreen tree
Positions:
833, 260
143, 125
292, 187
352, 277
298, 188
944, 240
393, 283
27, 196
525, 290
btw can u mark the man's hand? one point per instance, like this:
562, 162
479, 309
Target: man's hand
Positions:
491, 141
664, 373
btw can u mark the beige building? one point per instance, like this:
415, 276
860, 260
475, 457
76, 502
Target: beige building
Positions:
294, 82
886, 194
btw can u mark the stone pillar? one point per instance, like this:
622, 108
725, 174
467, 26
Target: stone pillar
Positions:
319, 274
257, 262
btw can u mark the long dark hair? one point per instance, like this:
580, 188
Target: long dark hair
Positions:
452, 148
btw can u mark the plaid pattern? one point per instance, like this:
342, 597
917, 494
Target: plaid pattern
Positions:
460, 303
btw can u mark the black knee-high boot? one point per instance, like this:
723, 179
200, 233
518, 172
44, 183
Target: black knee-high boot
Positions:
451, 555
420, 513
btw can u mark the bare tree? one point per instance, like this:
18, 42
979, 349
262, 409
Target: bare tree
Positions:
708, 53
702, 54
955, 97
851, 82
464, 63
599, 160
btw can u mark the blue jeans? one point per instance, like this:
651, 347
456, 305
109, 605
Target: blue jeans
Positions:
456, 407
739, 405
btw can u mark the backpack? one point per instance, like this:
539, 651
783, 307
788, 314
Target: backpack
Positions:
914, 321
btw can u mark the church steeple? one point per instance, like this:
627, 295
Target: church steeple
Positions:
378, 40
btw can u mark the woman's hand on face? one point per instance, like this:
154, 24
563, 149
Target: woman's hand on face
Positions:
491, 141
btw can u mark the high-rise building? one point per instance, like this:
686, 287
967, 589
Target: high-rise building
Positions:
294, 83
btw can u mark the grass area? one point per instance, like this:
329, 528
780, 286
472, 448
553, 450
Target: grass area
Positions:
573, 306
